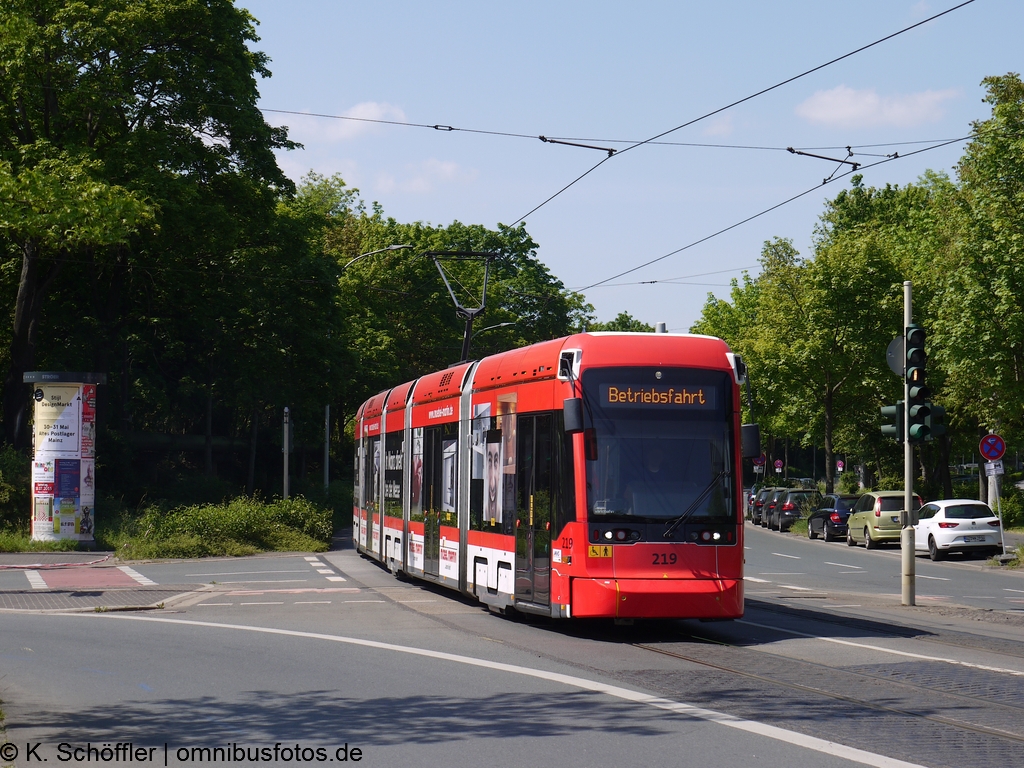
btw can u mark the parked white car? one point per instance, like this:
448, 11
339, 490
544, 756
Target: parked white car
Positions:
957, 525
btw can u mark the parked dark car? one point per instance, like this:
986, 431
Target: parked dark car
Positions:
829, 519
770, 503
791, 506
757, 507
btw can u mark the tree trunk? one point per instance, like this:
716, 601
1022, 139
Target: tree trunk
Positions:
209, 430
31, 290
250, 484
829, 456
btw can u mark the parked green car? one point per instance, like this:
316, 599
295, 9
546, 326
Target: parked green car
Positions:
875, 518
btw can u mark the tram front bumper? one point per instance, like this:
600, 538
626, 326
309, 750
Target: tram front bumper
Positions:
658, 598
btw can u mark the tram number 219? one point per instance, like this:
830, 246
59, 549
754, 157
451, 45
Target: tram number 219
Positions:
664, 558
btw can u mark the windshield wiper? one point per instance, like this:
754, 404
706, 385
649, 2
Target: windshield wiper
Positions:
673, 524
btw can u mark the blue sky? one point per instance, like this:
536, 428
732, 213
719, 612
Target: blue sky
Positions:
606, 72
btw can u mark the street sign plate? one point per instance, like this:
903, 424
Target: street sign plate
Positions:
840, 465
760, 460
895, 356
778, 463
992, 447
993, 468
758, 469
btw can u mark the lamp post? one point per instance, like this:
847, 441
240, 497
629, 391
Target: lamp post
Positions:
491, 328
327, 408
373, 253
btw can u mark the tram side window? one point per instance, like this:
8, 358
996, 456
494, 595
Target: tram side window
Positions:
564, 510
357, 486
394, 452
371, 475
440, 489
491, 468
416, 477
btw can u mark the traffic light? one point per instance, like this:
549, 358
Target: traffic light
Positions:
893, 413
918, 407
936, 421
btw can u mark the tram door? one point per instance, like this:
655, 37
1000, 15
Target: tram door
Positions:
433, 467
534, 499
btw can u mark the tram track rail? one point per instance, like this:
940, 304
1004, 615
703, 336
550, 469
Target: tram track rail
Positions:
977, 728
959, 640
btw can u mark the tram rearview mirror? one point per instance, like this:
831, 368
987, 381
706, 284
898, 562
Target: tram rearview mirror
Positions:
573, 415
750, 437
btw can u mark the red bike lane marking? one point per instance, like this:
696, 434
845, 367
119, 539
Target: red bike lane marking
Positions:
87, 578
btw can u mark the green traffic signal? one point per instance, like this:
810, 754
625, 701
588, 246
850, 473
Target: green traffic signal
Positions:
893, 413
918, 408
936, 421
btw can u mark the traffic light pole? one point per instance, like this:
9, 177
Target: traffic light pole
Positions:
907, 532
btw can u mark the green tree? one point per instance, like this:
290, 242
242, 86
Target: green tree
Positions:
156, 100
623, 322
979, 324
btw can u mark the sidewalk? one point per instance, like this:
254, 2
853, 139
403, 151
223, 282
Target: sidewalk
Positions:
17, 593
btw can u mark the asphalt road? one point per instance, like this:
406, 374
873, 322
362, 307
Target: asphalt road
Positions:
781, 563
826, 669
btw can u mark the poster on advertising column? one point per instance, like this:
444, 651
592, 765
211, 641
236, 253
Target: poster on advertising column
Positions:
64, 463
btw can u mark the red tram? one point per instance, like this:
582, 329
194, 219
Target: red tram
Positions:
597, 475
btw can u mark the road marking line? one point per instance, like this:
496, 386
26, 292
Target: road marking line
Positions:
143, 580
243, 573
264, 581
312, 602
934, 578
979, 597
36, 580
362, 601
406, 602
316, 590
1012, 590
324, 570
676, 707
801, 589
783, 574
791, 557
312, 559
756, 580
261, 603
844, 565
907, 654
336, 578
214, 604
840, 573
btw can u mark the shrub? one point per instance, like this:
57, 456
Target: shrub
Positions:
15, 488
240, 526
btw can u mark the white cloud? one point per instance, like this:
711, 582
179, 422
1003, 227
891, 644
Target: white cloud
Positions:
309, 129
721, 126
424, 177
848, 108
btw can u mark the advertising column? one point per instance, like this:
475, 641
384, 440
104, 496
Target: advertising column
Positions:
64, 460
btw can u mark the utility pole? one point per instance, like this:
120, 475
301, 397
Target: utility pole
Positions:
907, 532
327, 447
284, 448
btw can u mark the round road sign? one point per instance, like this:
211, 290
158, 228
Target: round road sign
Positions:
760, 460
992, 447
778, 463
840, 465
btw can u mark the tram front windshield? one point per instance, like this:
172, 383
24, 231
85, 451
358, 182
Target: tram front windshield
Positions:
658, 444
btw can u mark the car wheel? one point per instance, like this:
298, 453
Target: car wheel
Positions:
826, 535
810, 531
849, 538
934, 552
869, 543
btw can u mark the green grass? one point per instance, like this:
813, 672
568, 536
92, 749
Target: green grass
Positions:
240, 526
799, 527
18, 540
